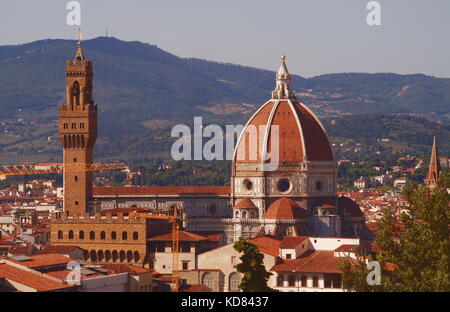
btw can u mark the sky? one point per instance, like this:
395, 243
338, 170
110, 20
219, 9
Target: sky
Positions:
317, 36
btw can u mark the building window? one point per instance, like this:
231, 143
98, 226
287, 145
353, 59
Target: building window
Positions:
207, 280
76, 178
212, 209
74, 126
70, 234
81, 235
66, 126
185, 265
304, 280
185, 247
160, 247
284, 185
92, 235
233, 282
291, 281
332, 281
102, 235
318, 185
248, 185
280, 281
60, 235
74, 160
82, 125
135, 235
113, 235
288, 256
315, 282
124, 235
76, 202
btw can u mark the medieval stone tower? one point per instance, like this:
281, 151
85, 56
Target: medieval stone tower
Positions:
78, 132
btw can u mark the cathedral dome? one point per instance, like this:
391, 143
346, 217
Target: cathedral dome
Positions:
285, 209
301, 136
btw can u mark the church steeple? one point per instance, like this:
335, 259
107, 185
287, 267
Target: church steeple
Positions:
283, 83
434, 171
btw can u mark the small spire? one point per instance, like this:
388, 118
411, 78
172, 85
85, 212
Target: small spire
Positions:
79, 56
283, 83
434, 170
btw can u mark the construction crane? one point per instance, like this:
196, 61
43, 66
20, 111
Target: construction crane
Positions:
57, 168
175, 220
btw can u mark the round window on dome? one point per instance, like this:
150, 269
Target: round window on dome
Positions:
212, 209
248, 185
284, 185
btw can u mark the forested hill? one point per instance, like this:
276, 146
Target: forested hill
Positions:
140, 88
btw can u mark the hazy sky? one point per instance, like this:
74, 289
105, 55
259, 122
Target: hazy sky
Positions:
318, 36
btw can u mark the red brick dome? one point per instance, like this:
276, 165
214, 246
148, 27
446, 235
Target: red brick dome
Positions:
245, 203
285, 209
301, 134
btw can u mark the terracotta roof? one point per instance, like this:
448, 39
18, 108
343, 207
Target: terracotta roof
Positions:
350, 207
43, 260
292, 241
160, 190
58, 249
211, 236
30, 279
183, 236
311, 262
267, 245
245, 203
298, 129
346, 248
122, 268
21, 249
285, 209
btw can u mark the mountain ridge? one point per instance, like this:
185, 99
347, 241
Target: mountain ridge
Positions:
140, 88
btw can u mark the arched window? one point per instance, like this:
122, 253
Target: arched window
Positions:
135, 235
115, 255
70, 234
233, 282
100, 255
304, 281
81, 235
244, 215
236, 214
207, 280
113, 235
60, 235
102, 235
124, 235
107, 255
92, 235
122, 256
129, 256
93, 256
291, 281
137, 257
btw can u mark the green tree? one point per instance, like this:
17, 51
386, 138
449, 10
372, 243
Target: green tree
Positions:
415, 246
255, 275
